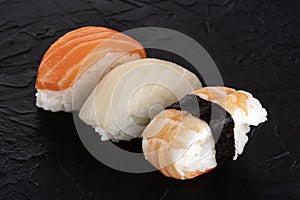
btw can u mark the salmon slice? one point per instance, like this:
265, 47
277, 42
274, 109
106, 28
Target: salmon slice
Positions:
75, 34
66, 59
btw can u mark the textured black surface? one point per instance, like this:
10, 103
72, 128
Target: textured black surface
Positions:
255, 44
220, 122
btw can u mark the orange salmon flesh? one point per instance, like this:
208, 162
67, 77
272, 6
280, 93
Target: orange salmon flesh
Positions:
65, 60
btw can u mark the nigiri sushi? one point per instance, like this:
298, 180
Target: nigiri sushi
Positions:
201, 131
74, 64
126, 99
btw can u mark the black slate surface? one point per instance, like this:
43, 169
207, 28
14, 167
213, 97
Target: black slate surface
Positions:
255, 44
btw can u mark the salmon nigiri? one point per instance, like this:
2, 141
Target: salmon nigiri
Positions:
201, 131
77, 61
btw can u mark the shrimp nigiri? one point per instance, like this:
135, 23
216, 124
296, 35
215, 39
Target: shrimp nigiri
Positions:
201, 131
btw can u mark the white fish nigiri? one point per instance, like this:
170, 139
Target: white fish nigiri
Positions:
124, 102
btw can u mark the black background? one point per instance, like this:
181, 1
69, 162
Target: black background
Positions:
255, 44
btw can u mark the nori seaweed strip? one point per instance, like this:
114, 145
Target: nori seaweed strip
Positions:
221, 125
